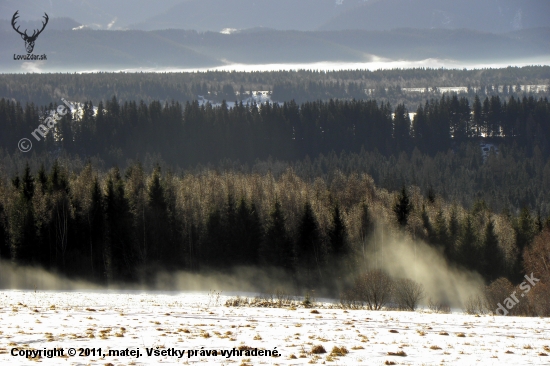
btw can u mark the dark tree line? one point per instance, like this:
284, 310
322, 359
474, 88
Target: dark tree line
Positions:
109, 226
192, 133
301, 85
438, 148
128, 226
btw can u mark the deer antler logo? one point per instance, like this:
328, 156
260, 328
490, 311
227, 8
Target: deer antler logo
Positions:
29, 40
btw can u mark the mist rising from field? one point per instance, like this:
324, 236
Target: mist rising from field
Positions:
398, 256
407, 258
244, 279
32, 278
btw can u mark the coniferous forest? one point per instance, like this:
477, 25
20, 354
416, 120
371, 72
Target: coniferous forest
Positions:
135, 186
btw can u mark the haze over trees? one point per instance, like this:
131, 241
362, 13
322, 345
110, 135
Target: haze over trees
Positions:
112, 226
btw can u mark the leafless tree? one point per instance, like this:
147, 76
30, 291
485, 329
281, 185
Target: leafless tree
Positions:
374, 288
501, 292
408, 293
536, 259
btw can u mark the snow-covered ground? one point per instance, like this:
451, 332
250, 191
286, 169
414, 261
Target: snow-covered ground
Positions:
174, 322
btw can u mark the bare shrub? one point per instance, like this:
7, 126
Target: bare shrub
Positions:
349, 300
309, 299
536, 261
539, 299
214, 298
283, 298
279, 299
237, 301
439, 307
374, 288
475, 305
496, 292
501, 292
536, 257
407, 293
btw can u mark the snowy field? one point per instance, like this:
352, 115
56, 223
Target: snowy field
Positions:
170, 323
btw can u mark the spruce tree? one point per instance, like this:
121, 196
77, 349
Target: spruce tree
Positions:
276, 248
366, 230
159, 238
477, 115
213, 251
402, 128
338, 235
308, 246
421, 128
96, 227
454, 232
57, 181
28, 183
367, 224
249, 233
4, 244
468, 249
42, 178
431, 194
442, 235
525, 232
120, 259
61, 223
231, 231
539, 224
491, 255
22, 223
402, 208
426, 223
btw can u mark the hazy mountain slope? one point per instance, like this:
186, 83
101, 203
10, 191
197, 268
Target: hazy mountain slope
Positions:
416, 44
268, 46
53, 23
111, 50
307, 15
484, 15
101, 14
215, 15
100, 50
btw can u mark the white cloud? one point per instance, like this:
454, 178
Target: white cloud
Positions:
109, 26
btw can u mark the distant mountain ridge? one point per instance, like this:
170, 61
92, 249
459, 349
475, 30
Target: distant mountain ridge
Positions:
496, 16
78, 50
484, 15
96, 14
216, 15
